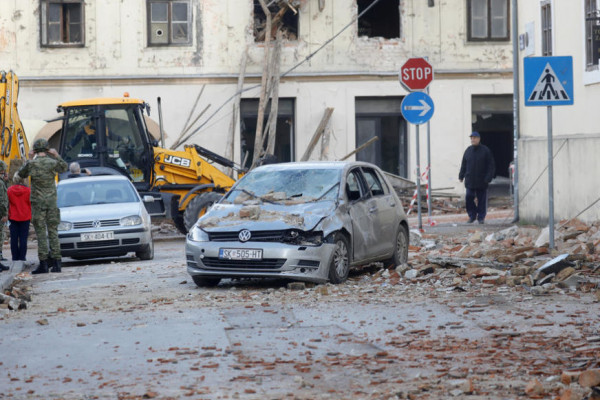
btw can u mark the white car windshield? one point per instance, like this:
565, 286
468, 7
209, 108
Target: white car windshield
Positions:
82, 193
287, 185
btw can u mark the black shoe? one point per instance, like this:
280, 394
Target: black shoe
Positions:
56, 267
3, 267
471, 220
42, 268
481, 222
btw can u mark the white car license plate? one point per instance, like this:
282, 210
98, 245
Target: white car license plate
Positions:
240, 254
89, 237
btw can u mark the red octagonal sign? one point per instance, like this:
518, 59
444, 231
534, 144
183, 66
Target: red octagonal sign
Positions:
416, 74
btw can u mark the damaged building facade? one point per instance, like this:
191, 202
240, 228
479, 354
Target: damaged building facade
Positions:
561, 28
342, 55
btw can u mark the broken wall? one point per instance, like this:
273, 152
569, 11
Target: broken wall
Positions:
116, 58
116, 41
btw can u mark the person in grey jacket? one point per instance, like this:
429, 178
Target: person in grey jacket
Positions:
477, 170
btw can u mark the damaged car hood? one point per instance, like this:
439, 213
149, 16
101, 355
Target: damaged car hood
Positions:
266, 216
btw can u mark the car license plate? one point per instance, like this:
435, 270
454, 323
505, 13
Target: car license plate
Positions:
240, 254
89, 237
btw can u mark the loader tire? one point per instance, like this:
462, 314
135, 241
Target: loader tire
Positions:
179, 224
198, 206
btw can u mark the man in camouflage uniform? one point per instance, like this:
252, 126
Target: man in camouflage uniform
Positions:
3, 209
42, 167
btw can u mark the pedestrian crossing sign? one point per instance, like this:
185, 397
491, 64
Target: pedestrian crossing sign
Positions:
548, 81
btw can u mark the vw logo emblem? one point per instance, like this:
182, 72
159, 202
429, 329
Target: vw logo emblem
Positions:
96, 224
244, 235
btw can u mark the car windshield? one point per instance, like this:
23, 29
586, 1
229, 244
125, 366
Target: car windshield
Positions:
287, 186
83, 193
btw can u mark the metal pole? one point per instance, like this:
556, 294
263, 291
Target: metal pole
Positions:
428, 169
550, 182
160, 121
515, 43
419, 182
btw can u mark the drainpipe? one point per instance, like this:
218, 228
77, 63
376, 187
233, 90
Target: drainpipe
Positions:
515, 40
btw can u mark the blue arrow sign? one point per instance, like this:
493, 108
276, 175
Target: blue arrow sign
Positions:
548, 81
417, 108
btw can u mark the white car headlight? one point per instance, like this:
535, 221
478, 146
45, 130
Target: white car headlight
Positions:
197, 235
131, 220
65, 226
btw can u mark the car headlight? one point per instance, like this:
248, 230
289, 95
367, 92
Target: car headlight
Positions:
131, 220
65, 226
197, 235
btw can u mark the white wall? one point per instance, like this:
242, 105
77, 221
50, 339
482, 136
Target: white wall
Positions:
576, 168
116, 59
116, 43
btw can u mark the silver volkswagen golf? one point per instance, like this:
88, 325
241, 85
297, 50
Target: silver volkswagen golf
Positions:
309, 221
103, 216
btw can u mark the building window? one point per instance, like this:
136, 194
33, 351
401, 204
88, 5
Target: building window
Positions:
169, 22
381, 20
284, 137
381, 117
592, 34
284, 17
62, 23
487, 20
546, 29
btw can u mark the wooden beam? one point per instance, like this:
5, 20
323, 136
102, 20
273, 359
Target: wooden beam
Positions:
367, 143
258, 140
272, 123
235, 118
318, 132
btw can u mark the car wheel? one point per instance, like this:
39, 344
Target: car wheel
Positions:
203, 281
147, 253
340, 262
198, 206
400, 255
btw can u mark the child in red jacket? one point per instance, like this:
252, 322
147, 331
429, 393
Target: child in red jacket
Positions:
19, 215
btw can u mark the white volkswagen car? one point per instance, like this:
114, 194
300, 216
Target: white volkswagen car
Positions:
103, 216
308, 221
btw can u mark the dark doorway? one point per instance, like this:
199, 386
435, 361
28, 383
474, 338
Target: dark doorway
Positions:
493, 119
284, 141
381, 117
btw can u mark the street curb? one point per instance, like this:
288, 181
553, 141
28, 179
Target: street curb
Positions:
7, 277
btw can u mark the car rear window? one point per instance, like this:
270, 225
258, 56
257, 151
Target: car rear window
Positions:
82, 193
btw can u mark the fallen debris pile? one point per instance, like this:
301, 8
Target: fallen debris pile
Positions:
15, 299
515, 256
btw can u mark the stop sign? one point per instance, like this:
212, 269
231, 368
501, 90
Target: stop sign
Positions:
416, 74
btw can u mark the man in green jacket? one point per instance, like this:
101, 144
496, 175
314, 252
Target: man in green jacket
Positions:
42, 167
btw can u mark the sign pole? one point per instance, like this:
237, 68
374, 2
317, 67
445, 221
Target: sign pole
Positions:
550, 181
419, 181
428, 169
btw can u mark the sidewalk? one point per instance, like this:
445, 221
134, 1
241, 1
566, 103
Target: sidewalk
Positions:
448, 223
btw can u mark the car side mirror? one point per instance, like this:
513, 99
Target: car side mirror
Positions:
148, 199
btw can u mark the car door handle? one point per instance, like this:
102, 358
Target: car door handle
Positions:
373, 209
392, 204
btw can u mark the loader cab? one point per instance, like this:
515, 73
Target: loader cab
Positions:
108, 133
